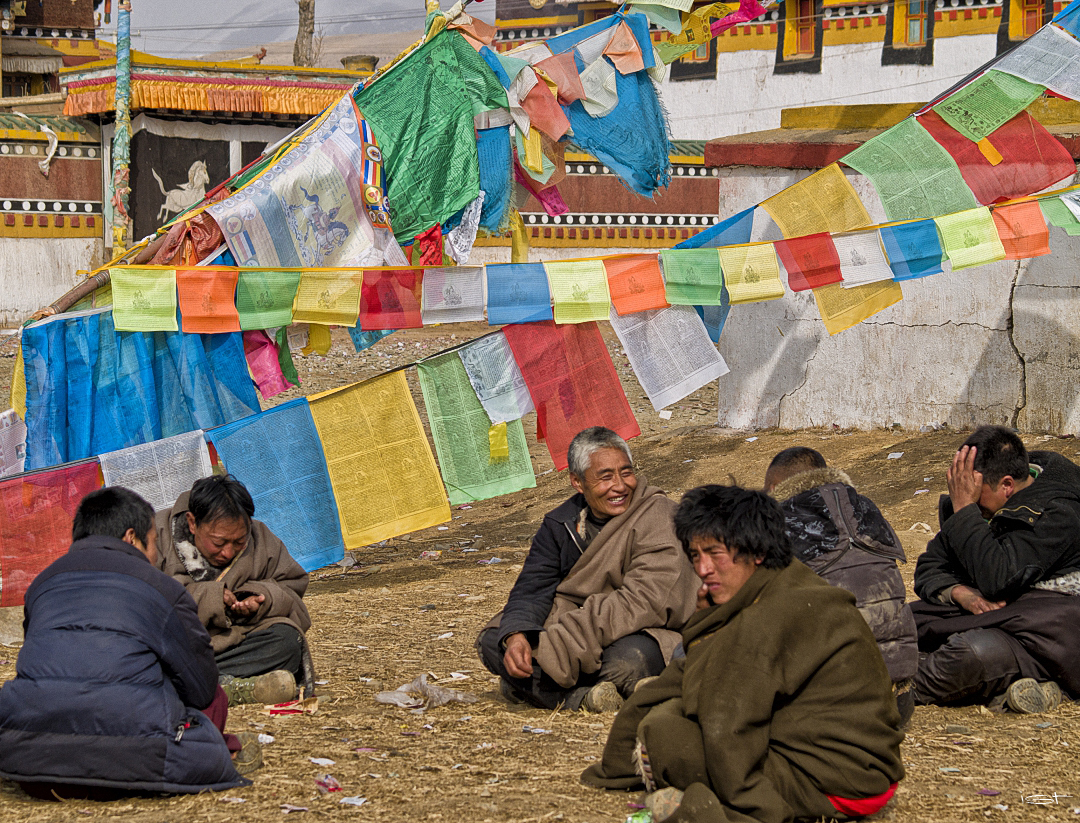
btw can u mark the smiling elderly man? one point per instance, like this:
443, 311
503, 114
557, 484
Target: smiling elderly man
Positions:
248, 588
602, 593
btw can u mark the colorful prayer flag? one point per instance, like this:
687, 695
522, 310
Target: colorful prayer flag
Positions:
452, 295
986, 103
914, 249
862, 259
751, 273
496, 379
635, 283
842, 308
207, 300
144, 299
579, 290
264, 297
810, 261
824, 201
1022, 230
970, 238
517, 293
264, 364
390, 299
692, 277
330, 298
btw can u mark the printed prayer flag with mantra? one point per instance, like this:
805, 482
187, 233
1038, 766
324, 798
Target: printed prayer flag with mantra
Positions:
572, 382
692, 277
824, 201
331, 298
635, 283
207, 300
751, 273
1022, 230
970, 238
390, 299
264, 298
811, 261
144, 299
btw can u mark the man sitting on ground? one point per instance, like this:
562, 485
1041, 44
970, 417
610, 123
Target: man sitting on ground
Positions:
247, 587
999, 583
114, 670
841, 535
602, 592
782, 707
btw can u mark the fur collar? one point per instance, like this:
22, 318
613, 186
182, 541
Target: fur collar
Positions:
805, 481
194, 563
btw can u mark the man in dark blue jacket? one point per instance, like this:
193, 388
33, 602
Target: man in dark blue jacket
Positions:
114, 669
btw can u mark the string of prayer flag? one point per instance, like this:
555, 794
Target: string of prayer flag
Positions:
692, 277
572, 382
842, 308
391, 299
986, 103
824, 201
1022, 230
970, 238
330, 298
861, 259
751, 273
144, 299
264, 297
810, 261
452, 295
496, 379
517, 293
381, 467
207, 300
579, 291
635, 283
914, 249
462, 434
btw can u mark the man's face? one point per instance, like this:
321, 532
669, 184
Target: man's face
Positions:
992, 498
608, 484
220, 540
722, 572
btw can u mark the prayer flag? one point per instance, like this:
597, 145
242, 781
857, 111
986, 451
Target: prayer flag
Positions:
623, 50
366, 339
1022, 230
714, 317
160, 471
264, 298
330, 298
562, 69
572, 382
635, 283
696, 30
452, 295
843, 308
987, 103
391, 299
692, 277
462, 433
824, 201
970, 238
751, 273
861, 257
914, 249
495, 156
913, 174
284, 353
600, 82
1050, 58
381, 467
517, 293
733, 231
496, 379
207, 300
1056, 211
35, 529
144, 299
579, 290
264, 364
278, 456
810, 261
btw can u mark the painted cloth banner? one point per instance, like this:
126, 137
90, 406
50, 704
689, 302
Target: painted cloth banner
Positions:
391, 299
572, 382
278, 456
207, 300
517, 293
460, 428
308, 208
811, 261
692, 277
264, 299
144, 299
381, 467
496, 379
914, 249
91, 389
635, 283
422, 113
330, 298
36, 513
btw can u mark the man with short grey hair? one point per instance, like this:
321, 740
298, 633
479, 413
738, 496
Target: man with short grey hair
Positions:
602, 594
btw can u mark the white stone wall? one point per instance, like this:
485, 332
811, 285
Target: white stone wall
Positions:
36, 271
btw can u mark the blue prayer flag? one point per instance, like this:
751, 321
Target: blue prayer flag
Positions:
517, 293
914, 249
714, 317
730, 232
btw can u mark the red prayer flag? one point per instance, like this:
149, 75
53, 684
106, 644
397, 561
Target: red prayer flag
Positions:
1032, 159
427, 248
572, 382
390, 299
811, 261
1022, 230
36, 513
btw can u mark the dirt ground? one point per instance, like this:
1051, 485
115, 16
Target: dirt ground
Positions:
394, 616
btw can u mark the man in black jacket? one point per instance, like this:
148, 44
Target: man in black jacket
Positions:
998, 585
114, 671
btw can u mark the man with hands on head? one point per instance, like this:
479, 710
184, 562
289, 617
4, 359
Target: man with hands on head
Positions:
998, 584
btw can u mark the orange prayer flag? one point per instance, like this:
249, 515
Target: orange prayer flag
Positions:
624, 51
207, 300
1022, 230
635, 283
563, 70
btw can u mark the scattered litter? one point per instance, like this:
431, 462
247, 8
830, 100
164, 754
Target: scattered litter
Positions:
949, 770
363, 647
464, 507
321, 761
1043, 725
327, 783
642, 816
289, 807
458, 676
443, 528
691, 460
430, 555
485, 745
927, 479
953, 728
445, 636
895, 455
365, 750
266, 739
229, 800
419, 694
921, 491
353, 801
988, 792
410, 734
309, 705
321, 682
534, 730
921, 527
491, 561
1001, 807
665, 415
427, 607
751, 439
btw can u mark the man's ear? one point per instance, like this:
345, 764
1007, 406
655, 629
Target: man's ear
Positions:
1007, 485
190, 522
575, 481
130, 537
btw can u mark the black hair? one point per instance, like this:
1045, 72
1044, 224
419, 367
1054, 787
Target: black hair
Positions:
750, 523
111, 512
798, 457
999, 452
220, 496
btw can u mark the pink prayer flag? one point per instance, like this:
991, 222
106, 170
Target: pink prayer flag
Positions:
544, 111
748, 10
261, 353
549, 198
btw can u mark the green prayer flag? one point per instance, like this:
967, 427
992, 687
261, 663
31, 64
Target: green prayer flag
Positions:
264, 298
987, 103
692, 277
144, 299
1057, 213
913, 174
970, 238
284, 356
460, 429
422, 113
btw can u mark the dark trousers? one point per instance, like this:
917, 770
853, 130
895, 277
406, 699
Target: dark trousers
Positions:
624, 663
973, 667
278, 647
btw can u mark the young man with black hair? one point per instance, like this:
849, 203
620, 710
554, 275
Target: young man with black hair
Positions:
998, 585
782, 707
842, 536
116, 686
248, 589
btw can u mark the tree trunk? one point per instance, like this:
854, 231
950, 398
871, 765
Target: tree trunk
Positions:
303, 51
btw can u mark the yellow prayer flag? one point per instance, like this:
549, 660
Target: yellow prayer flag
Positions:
534, 151
519, 239
823, 202
751, 273
18, 385
843, 308
330, 297
318, 340
498, 444
381, 467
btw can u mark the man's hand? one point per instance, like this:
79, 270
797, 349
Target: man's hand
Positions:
965, 484
518, 656
246, 607
703, 601
971, 600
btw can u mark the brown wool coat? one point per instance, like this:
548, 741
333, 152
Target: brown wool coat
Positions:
264, 567
633, 577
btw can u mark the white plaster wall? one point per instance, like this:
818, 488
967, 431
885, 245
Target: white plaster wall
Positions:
747, 96
36, 271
